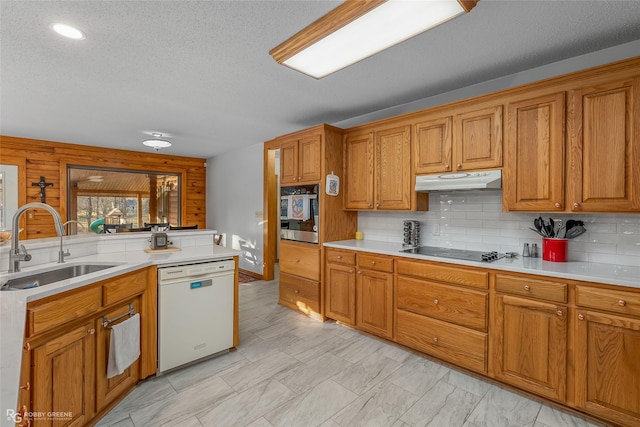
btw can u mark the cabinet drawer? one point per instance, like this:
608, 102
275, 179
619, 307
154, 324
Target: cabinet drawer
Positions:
340, 257
456, 275
464, 307
123, 287
610, 300
375, 262
452, 343
541, 289
300, 260
64, 308
301, 293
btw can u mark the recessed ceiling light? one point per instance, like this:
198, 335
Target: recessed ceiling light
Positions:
67, 31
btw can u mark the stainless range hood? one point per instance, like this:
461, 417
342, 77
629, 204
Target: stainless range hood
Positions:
479, 180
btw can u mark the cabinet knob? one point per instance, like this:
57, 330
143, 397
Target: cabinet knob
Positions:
359, 272
559, 313
296, 291
27, 386
297, 260
377, 205
350, 271
622, 303
27, 346
435, 339
447, 167
373, 263
580, 316
558, 205
299, 178
527, 288
436, 302
576, 205
91, 331
369, 205
459, 165
339, 257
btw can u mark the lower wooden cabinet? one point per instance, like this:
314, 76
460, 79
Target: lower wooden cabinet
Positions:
340, 299
374, 302
63, 378
300, 294
530, 345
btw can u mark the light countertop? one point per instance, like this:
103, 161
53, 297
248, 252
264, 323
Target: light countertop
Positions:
621, 275
13, 303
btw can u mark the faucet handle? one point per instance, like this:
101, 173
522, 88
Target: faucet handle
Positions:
26, 256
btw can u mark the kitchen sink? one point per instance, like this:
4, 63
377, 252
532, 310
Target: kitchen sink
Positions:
43, 278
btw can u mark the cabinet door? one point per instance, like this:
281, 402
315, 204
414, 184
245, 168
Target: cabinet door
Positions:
358, 171
604, 132
107, 389
534, 155
608, 373
309, 160
374, 302
393, 168
432, 146
477, 139
289, 162
340, 288
64, 378
530, 345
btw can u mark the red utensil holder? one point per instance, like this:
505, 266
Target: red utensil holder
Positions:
554, 250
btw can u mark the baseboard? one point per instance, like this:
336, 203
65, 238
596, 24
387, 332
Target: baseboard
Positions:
250, 273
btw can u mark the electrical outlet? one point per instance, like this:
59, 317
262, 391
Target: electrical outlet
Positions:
435, 229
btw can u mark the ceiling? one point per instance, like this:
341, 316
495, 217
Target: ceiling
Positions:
200, 70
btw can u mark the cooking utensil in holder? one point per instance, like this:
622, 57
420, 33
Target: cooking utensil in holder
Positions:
411, 235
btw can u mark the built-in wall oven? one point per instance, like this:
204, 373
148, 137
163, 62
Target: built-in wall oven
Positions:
299, 213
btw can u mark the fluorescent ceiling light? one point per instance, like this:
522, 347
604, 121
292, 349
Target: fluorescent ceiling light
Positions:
67, 31
358, 29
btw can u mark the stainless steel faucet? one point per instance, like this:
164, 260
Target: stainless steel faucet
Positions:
19, 252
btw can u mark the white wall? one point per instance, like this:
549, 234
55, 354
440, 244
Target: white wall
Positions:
234, 202
474, 220
234, 182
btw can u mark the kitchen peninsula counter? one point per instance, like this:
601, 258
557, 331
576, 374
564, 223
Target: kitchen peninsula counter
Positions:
611, 274
127, 254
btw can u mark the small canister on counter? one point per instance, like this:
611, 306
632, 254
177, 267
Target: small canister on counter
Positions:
534, 250
525, 250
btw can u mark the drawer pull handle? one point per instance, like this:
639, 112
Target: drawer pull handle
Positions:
622, 303
527, 288
435, 339
27, 386
436, 302
91, 331
580, 316
27, 346
339, 257
559, 313
373, 263
296, 291
350, 271
558, 205
576, 205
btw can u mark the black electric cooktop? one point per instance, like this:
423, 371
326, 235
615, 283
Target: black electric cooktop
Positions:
455, 253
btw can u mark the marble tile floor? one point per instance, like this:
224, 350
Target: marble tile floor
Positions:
291, 371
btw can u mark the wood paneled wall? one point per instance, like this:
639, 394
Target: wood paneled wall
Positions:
36, 158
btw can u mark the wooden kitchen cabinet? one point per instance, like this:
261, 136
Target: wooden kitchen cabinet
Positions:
340, 288
378, 170
604, 147
299, 284
529, 335
374, 294
433, 145
300, 160
63, 378
533, 174
477, 139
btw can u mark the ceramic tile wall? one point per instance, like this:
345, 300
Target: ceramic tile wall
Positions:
474, 220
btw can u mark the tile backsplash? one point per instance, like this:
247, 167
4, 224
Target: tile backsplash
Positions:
475, 220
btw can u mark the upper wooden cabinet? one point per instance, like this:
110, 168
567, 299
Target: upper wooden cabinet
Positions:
458, 140
604, 147
477, 139
300, 160
378, 170
534, 154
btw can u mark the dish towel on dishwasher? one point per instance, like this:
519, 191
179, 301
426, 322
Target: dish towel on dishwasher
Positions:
124, 345
298, 207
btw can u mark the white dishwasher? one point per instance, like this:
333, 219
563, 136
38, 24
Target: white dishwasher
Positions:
195, 311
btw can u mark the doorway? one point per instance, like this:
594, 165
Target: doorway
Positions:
271, 202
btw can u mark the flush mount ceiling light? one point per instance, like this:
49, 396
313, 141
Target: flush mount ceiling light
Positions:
157, 142
358, 29
67, 31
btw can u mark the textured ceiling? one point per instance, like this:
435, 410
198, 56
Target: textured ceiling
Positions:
200, 70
